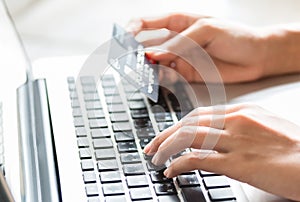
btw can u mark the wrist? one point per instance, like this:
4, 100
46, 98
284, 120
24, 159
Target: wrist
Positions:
281, 50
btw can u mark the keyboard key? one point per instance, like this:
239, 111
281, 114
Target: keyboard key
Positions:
107, 165
89, 89
87, 165
152, 167
100, 133
137, 105
94, 199
110, 176
75, 104
73, 95
158, 176
70, 79
91, 190
163, 117
165, 189
140, 193
145, 132
221, 194
72, 86
102, 143
89, 177
124, 136
105, 154
80, 132
91, 105
113, 189
138, 114
134, 96
130, 158
137, 181
164, 125
83, 142
187, 180
85, 154
127, 147
94, 114
215, 182
116, 99
133, 169
116, 108
121, 126
111, 91
144, 142
119, 117
120, 198
206, 173
76, 112
78, 122
97, 123
168, 198
193, 194
87, 80
108, 83
142, 123
91, 97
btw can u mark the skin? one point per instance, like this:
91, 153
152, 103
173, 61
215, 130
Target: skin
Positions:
246, 142
239, 52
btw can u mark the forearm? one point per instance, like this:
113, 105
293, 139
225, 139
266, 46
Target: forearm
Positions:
282, 50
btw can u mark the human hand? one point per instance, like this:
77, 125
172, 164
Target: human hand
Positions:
240, 53
250, 145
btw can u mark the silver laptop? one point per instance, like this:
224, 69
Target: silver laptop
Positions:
78, 135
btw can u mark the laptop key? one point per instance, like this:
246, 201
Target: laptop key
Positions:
120, 198
187, 180
127, 147
89, 177
105, 154
80, 132
97, 123
168, 198
165, 189
144, 142
133, 169
119, 117
94, 114
91, 190
137, 105
85, 154
137, 181
87, 165
107, 165
91, 105
113, 189
94, 199
102, 143
130, 158
83, 142
164, 125
76, 112
221, 194
116, 108
124, 136
158, 176
110, 176
116, 99
100, 133
78, 122
91, 97
142, 193
145, 132
193, 194
138, 114
215, 182
121, 126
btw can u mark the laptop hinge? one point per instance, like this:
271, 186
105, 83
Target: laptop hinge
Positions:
38, 168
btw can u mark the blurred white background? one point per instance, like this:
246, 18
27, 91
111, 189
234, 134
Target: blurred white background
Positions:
75, 27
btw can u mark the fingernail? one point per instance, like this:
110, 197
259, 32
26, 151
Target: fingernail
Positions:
166, 173
147, 148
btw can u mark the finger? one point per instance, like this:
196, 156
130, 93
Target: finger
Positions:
198, 137
212, 162
214, 110
174, 22
203, 120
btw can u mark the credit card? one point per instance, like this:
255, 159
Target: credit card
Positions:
127, 56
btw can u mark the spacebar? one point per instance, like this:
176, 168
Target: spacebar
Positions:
193, 194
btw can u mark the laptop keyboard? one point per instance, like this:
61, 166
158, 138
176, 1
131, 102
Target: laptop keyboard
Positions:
111, 133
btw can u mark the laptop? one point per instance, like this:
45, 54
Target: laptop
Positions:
80, 133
